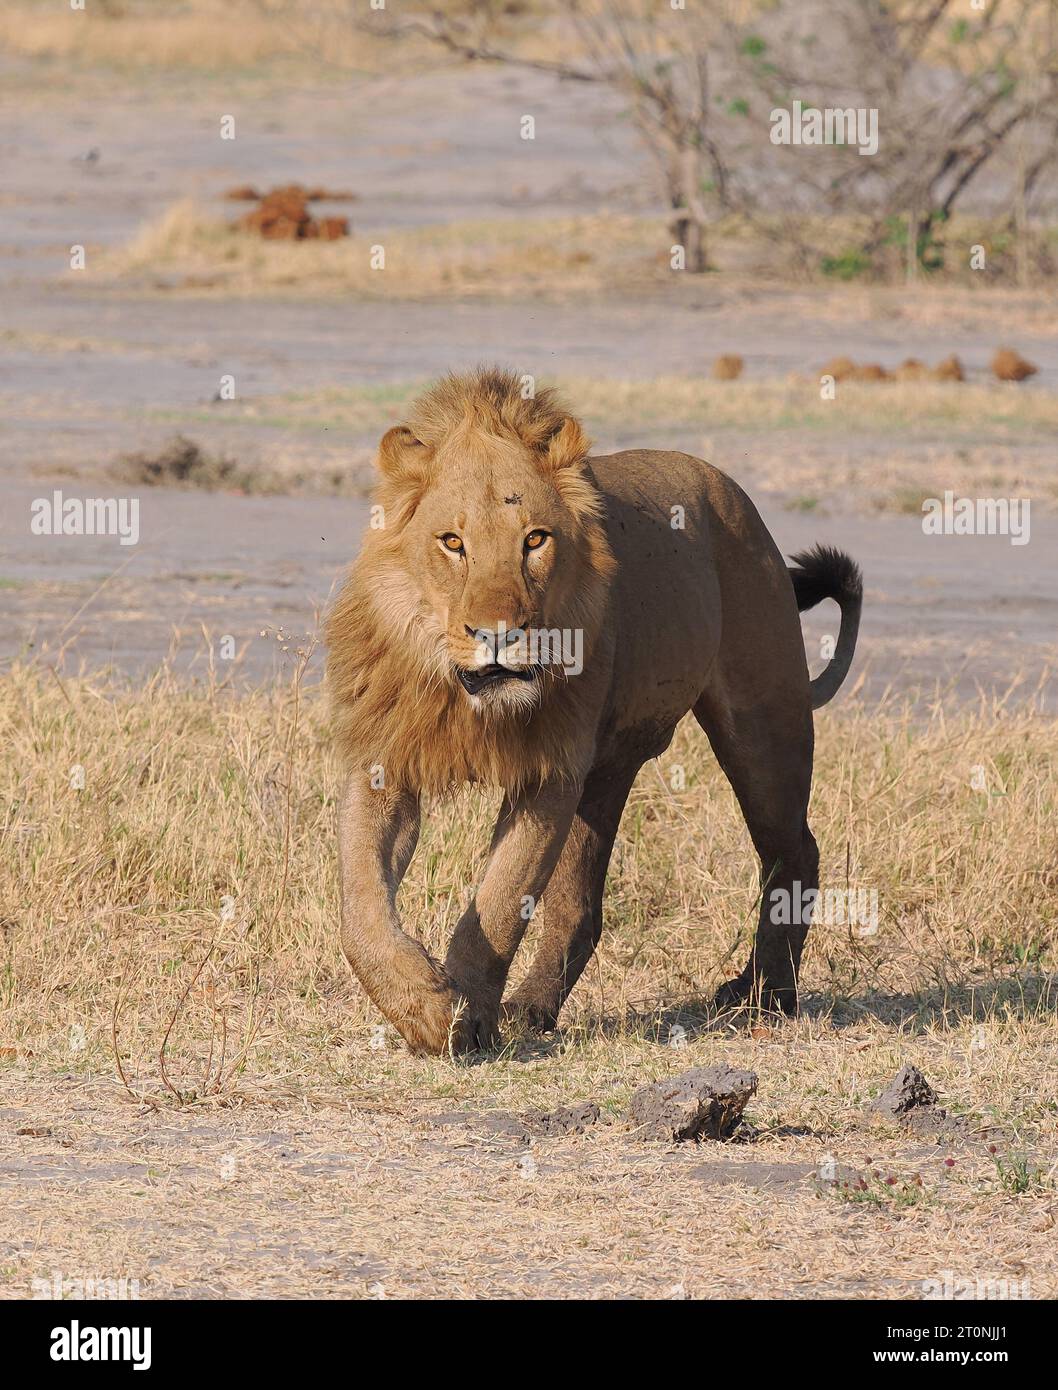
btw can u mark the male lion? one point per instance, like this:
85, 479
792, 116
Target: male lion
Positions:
497, 528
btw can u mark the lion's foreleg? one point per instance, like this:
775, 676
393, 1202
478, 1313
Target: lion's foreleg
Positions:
526, 845
573, 916
377, 834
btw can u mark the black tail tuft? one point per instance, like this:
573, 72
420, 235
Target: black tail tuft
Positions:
820, 573
825, 572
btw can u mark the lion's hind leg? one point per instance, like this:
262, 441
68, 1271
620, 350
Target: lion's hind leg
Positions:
765, 751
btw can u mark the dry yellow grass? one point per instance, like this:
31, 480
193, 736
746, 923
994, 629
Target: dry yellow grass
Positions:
177, 915
297, 37
191, 798
332, 1194
193, 252
188, 250
979, 439
203, 35
665, 401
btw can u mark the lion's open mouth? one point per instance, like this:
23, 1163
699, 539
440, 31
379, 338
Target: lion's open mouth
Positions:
478, 678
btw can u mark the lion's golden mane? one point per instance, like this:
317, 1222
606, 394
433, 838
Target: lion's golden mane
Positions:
395, 703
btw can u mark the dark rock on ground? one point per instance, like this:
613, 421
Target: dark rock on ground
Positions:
908, 1090
567, 1119
703, 1103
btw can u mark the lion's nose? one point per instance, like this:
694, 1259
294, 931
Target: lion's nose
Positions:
503, 637
495, 642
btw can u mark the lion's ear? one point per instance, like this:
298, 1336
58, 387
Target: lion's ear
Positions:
401, 457
569, 446
566, 454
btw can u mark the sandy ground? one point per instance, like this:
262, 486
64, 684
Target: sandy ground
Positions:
338, 1196
959, 612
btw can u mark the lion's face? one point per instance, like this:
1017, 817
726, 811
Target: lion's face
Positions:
473, 639
493, 547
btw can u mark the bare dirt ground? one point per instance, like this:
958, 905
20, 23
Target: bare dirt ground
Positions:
337, 1196
331, 1164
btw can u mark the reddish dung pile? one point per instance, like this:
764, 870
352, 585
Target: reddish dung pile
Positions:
282, 214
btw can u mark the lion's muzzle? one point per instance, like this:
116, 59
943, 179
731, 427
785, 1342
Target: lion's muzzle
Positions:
478, 678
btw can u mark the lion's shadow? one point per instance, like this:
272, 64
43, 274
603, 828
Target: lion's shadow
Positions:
1020, 997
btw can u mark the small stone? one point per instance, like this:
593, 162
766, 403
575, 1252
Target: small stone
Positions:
567, 1119
907, 1091
703, 1103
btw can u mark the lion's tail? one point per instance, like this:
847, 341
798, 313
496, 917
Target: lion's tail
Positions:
825, 572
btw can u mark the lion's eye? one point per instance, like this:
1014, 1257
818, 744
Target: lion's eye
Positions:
451, 542
535, 539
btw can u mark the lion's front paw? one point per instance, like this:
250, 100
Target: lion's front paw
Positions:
430, 1026
477, 1031
526, 1013
732, 994
443, 1018
421, 1001
477, 1027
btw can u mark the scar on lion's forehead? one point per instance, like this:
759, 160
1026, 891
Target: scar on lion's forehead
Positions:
514, 500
